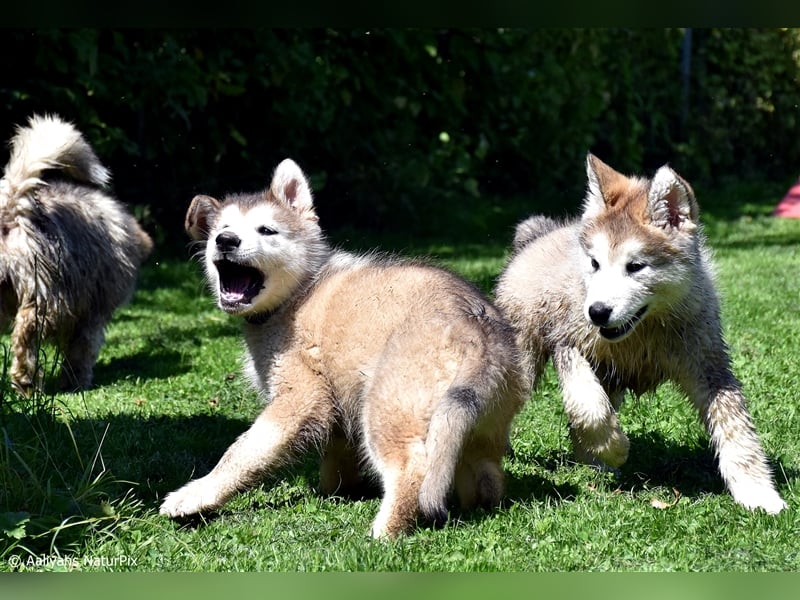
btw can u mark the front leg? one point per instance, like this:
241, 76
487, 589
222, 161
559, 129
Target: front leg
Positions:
285, 427
594, 426
743, 464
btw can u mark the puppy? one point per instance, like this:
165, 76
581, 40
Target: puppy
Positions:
397, 365
623, 298
69, 252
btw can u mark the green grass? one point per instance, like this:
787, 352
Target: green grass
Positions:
170, 399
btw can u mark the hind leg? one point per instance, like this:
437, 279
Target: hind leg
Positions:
594, 426
396, 450
400, 503
479, 479
81, 355
26, 372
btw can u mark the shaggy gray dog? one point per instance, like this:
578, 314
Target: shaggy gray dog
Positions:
69, 252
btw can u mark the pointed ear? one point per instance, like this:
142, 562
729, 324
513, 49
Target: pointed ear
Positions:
290, 186
200, 216
671, 204
599, 177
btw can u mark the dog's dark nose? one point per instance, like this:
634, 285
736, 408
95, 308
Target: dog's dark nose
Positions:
599, 313
227, 241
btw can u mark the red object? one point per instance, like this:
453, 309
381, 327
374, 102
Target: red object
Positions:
789, 207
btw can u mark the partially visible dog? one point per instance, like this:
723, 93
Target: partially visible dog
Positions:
69, 252
399, 366
624, 299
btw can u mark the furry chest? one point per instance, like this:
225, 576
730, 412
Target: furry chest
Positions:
639, 379
639, 365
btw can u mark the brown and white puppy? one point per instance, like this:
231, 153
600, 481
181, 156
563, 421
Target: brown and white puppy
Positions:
394, 364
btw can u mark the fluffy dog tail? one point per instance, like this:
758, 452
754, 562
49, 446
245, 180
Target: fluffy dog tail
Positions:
49, 143
532, 228
479, 391
451, 423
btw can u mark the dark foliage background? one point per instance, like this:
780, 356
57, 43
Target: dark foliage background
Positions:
421, 130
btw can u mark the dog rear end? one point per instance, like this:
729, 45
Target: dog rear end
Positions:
458, 353
70, 252
430, 378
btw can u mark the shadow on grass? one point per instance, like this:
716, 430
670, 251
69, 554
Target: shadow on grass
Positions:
654, 461
527, 487
146, 364
657, 461
692, 470
781, 235
161, 355
159, 454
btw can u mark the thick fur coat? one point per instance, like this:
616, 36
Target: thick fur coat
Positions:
624, 299
392, 365
69, 252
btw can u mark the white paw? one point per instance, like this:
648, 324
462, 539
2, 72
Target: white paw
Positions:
754, 496
195, 497
379, 528
613, 451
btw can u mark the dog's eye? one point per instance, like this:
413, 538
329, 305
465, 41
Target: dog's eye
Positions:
595, 264
264, 230
634, 267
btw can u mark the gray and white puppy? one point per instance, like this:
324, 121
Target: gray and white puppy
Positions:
623, 298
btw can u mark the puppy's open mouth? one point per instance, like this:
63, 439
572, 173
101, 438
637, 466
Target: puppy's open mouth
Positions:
238, 284
615, 334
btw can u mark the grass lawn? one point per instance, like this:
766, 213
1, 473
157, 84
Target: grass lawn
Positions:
170, 399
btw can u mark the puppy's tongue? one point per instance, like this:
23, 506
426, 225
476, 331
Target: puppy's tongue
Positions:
237, 286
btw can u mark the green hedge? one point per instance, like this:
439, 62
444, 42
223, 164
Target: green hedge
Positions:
410, 129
